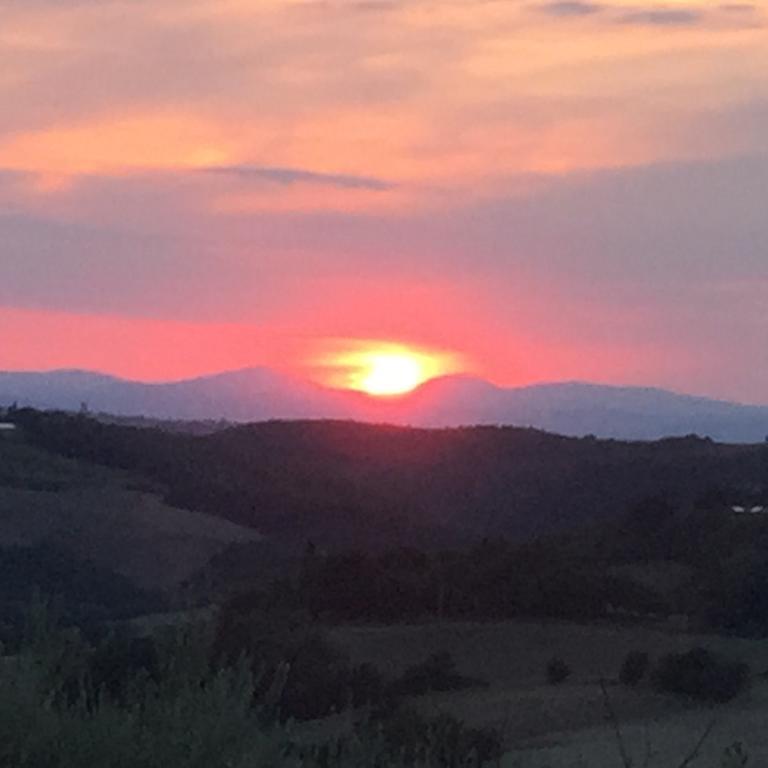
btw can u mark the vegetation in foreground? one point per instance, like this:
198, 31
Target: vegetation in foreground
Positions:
272, 692
144, 703
265, 687
171, 700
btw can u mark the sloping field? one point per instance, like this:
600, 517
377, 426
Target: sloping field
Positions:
129, 532
564, 726
96, 514
669, 740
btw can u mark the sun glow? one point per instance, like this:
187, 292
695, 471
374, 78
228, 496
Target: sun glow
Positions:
384, 369
390, 374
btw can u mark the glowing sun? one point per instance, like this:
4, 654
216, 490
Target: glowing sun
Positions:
392, 374
380, 368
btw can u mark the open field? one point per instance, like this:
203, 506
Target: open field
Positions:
131, 533
105, 516
670, 740
562, 726
26, 467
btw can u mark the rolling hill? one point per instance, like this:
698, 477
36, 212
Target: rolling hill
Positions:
260, 394
96, 515
346, 484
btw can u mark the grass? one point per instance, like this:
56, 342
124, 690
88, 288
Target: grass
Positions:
25, 467
57, 710
565, 726
109, 517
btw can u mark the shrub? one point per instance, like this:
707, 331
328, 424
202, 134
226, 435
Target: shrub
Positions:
701, 674
441, 741
320, 681
634, 668
557, 671
187, 719
436, 673
116, 664
735, 756
405, 739
174, 708
308, 677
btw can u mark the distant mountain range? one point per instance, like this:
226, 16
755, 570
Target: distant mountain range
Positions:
259, 394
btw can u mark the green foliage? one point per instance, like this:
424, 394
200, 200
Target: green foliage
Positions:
191, 717
634, 668
557, 671
282, 641
495, 580
172, 707
83, 593
701, 674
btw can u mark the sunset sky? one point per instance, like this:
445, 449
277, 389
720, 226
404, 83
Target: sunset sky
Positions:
533, 191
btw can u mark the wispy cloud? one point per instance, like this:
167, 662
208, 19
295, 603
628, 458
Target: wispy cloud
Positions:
374, 6
571, 8
747, 8
288, 176
651, 15
664, 17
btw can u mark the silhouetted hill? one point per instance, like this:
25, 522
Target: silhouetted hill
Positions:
260, 394
347, 484
114, 520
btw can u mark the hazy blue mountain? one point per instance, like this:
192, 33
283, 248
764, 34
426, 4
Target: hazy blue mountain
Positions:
575, 408
259, 394
249, 395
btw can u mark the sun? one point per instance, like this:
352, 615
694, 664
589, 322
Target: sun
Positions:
381, 368
392, 374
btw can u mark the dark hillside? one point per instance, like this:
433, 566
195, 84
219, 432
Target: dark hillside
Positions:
80, 591
345, 484
110, 518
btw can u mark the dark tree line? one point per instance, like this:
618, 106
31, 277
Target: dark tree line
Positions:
355, 486
80, 592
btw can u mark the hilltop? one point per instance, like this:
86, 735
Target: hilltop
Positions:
346, 484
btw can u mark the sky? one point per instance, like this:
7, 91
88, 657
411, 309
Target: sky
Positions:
544, 190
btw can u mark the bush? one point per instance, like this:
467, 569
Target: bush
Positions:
174, 708
557, 671
701, 674
189, 718
442, 741
437, 673
320, 681
307, 676
634, 668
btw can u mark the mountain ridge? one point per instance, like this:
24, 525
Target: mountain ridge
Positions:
575, 408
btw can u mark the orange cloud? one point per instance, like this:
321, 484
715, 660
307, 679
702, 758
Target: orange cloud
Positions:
453, 96
113, 145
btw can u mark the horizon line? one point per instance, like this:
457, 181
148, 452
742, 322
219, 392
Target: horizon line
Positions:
276, 371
